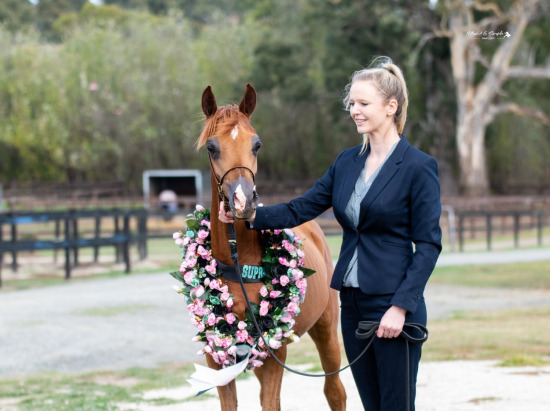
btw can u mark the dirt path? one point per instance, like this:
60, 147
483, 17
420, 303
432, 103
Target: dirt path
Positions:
139, 321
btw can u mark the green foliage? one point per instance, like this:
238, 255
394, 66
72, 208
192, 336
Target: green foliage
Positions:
93, 93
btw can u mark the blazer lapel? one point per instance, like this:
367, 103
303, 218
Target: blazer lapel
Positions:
353, 169
389, 168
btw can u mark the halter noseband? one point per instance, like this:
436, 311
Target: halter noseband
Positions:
221, 194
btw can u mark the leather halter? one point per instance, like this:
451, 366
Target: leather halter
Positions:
221, 194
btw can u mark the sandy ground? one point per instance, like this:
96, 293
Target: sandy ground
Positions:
442, 386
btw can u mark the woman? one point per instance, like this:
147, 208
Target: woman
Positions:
385, 195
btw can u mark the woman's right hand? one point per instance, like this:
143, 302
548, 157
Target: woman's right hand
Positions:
225, 216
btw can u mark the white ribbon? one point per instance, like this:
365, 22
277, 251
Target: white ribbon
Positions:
204, 378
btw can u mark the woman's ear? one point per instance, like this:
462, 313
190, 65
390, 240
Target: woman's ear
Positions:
391, 107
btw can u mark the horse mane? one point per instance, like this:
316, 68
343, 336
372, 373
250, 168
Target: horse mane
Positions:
222, 122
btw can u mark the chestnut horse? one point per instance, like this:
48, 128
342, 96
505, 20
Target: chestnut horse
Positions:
233, 145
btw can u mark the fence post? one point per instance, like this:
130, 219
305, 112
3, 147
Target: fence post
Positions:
14, 241
96, 234
489, 232
461, 232
142, 235
126, 244
539, 228
57, 235
118, 253
67, 247
75, 236
516, 230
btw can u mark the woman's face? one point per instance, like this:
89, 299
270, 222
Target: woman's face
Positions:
368, 109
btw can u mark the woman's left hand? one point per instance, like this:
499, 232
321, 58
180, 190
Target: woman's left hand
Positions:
392, 322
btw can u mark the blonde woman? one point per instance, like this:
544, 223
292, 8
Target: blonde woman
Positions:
385, 194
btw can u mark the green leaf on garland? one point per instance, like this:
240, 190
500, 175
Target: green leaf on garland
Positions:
177, 275
307, 271
193, 225
255, 309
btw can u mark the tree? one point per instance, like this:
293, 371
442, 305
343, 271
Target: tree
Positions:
15, 14
484, 41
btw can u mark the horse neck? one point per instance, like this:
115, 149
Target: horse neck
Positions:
248, 241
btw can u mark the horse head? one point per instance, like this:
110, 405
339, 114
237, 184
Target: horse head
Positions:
232, 145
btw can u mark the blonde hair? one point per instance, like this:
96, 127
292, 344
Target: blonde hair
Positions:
390, 81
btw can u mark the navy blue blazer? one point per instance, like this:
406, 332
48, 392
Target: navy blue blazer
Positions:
401, 208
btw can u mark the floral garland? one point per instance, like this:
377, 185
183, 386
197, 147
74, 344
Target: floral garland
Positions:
209, 301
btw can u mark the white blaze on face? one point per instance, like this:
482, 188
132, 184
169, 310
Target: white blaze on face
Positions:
240, 199
235, 132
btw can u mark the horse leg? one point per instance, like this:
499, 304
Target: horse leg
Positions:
325, 336
228, 392
270, 376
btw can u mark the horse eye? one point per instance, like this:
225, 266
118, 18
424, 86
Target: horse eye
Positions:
256, 147
213, 149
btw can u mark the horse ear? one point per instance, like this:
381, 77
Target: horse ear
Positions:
209, 105
248, 103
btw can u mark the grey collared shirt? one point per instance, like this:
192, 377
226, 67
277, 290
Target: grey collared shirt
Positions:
352, 212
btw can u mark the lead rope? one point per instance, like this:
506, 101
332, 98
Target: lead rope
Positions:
365, 330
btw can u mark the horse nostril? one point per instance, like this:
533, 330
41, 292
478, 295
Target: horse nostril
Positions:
239, 199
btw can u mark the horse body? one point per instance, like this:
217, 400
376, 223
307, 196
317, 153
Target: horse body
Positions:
232, 144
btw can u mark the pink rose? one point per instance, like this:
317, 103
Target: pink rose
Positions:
210, 269
264, 306
230, 318
256, 363
242, 335
275, 344
301, 283
263, 291
211, 319
292, 308
274, 294
198, 291
297, 274
284, 280
203, 252
202, 234
188, 276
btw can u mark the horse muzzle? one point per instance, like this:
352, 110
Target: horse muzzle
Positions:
243, 199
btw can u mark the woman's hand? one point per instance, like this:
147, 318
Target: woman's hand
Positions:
225, 216
392, 322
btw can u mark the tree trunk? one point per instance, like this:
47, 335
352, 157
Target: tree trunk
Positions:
470, 133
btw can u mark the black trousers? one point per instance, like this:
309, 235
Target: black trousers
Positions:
380, 374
